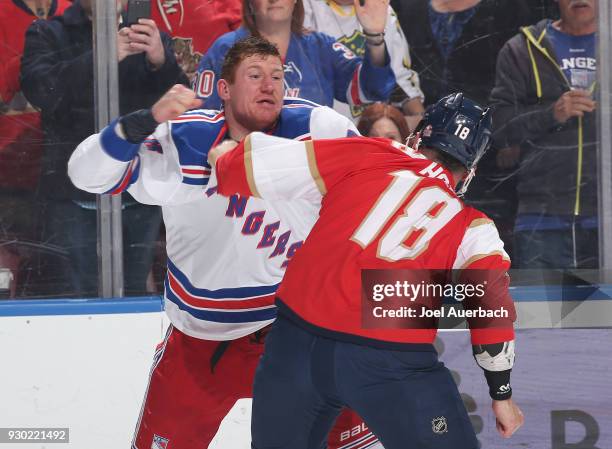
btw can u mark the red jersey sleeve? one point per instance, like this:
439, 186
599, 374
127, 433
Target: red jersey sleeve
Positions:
274, 168
483, 261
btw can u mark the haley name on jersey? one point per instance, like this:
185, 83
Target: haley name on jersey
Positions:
226, 256
385, 207
316, 68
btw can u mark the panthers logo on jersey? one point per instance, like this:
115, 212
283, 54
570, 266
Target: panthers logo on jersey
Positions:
186, 56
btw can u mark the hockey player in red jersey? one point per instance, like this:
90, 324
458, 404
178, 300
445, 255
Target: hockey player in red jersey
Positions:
386, 206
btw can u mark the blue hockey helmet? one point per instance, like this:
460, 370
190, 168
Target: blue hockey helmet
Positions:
458, 127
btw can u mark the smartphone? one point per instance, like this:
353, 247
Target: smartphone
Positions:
138, 9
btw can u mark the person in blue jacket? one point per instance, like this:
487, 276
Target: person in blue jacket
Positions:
317, 68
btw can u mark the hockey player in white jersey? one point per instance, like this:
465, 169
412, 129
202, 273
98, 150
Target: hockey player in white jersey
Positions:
226, 257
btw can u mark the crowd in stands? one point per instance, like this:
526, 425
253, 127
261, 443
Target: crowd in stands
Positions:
380, 63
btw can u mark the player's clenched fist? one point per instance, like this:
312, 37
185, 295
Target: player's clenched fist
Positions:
508, 417
176, 101
573, 104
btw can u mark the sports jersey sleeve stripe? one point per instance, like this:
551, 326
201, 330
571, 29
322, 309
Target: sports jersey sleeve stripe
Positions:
222, 293
239, 316
281, 168
115, 146
314, 170
92, 169
196, 181
130, 176
248, 166
480, 240
476, 260
218, 304
354, 90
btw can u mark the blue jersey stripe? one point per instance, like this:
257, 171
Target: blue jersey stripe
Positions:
222, 293
222, 316
196, 181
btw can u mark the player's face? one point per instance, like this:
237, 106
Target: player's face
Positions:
255, 98
273, 11
579, 12
384, 127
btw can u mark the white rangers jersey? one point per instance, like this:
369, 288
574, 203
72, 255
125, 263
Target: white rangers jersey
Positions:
340, 22
226, 256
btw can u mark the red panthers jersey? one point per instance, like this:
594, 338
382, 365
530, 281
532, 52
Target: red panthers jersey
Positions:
15, 18
194, 25
20, 146
384, 206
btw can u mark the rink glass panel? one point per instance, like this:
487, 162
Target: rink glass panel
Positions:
48, 247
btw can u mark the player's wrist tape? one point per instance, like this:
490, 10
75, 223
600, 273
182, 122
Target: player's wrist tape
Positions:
138, 125
499, 384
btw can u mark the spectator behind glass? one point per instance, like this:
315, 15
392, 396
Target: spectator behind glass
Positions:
20, 141
543, 103
194, 27
57, 77
383, 120
454, 45
338, 19
317, 68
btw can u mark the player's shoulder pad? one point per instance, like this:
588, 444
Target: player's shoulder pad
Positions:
194, 132
294, 121
304, 119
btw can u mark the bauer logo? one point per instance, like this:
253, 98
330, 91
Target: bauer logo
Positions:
438, 425
159, 442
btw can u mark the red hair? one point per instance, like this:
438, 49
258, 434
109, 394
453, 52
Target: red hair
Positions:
375, 112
